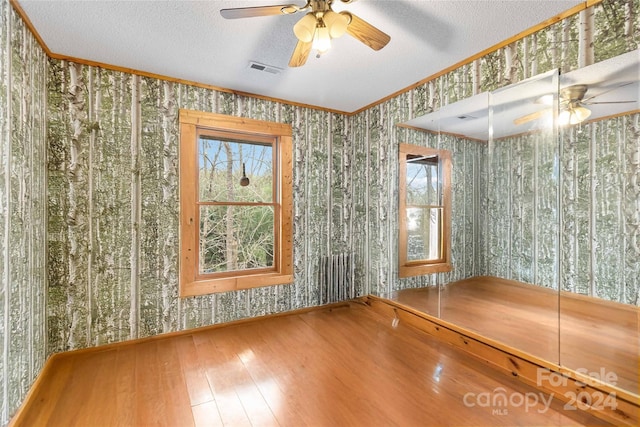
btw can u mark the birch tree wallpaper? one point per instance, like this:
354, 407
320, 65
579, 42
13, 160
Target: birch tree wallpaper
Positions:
113, 215
95, 151
23, 202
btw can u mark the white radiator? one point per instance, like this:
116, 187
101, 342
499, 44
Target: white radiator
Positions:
336, 278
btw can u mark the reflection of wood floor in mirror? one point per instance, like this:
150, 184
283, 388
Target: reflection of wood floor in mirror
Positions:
596, 335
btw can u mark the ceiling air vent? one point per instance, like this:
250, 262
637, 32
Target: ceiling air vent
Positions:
264, 68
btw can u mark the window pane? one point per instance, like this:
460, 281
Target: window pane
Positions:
422, 181
236, 238
220, 176
424, 226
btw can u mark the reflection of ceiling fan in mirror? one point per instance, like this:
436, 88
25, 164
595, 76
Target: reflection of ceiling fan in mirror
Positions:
316, 29
573, 104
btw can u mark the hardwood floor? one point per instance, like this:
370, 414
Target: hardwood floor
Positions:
574, 331
334, 367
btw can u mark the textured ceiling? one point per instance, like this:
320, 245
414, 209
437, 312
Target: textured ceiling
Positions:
189, 40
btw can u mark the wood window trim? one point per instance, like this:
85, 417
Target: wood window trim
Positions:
189, 282
418, 268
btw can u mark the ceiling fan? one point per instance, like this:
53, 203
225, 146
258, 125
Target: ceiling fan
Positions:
317, 27
573, 104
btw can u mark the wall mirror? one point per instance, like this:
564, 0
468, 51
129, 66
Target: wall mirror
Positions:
555, 220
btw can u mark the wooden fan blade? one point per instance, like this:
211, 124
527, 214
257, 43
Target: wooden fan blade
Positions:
300, 54
250, 12
366, 33
533, 116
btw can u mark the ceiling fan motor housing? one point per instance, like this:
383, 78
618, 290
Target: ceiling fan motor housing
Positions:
573, 93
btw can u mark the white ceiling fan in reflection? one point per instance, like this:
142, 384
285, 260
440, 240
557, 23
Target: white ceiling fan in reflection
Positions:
317, 27
573, 105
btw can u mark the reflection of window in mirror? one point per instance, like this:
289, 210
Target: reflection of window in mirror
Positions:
424, 210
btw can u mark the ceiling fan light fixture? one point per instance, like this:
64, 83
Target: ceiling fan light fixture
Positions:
317, 27
305, 28
321, 39
581, 113
336, 23
564, 117
573, 115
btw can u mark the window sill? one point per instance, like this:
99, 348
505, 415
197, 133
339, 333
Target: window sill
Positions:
235, 283
421, 270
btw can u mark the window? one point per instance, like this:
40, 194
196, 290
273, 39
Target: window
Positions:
424, 210
235, 203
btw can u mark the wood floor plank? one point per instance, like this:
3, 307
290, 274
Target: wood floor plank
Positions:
193, 371
312, 376
287, 378
370, 388
173, 388
269, 371
150, 407
220, 380
84, 378
99, 406
40, 408
126, 374
207, 415
236, 353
